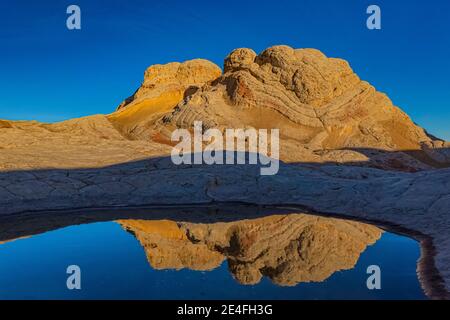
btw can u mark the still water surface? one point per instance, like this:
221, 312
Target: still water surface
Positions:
289, 256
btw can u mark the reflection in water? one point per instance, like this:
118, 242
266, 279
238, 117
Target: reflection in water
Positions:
288, 249
271, 253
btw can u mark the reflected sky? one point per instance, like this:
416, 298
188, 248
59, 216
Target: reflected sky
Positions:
291, 256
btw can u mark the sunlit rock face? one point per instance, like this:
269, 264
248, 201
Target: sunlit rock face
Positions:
288, 249
324, 111
164, 86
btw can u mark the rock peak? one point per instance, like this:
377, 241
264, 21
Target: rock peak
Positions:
160, 78
239, 58
323, 110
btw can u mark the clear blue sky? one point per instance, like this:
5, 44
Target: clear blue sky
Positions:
49, 73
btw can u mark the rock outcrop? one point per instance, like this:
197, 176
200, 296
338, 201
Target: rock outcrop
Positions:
78, 143
414, 201
438, 150
163, 88
322, 108
288, 249
324, 112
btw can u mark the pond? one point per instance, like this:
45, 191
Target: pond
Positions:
218, 255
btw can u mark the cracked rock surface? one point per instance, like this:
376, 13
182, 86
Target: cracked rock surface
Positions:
346, 149
416, 201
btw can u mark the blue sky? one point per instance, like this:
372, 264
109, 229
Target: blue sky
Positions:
49, 73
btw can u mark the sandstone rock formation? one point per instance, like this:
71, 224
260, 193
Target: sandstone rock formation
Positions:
168, 247
322, 108
418, 201
79, 143
324, 112
163, 88
438, 150
288, 249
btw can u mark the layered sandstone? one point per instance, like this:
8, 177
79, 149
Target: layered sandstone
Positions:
324, 112
168, 247
164, 86
288, 249
78, 143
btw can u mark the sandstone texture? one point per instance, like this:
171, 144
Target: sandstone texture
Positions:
345, 149
164, 86
79, 143
325, 113
288, 249
418, 201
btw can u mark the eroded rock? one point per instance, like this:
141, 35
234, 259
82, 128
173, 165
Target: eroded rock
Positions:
288, 249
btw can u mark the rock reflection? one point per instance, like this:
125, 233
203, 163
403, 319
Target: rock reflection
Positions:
288, 249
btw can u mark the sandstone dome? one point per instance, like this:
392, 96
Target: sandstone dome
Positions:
324, 112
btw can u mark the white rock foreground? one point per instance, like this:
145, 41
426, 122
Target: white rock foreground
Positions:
418, 202
325, 114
